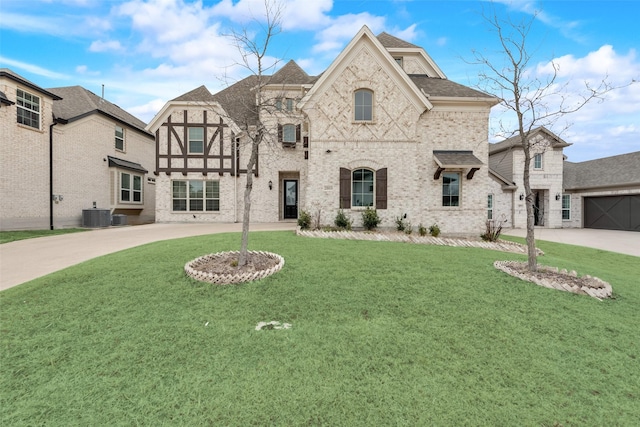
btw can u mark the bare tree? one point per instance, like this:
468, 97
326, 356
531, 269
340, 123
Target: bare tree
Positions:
533, 100
253, 50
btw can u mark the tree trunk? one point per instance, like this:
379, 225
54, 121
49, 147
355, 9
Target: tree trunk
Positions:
532, 257
242, 258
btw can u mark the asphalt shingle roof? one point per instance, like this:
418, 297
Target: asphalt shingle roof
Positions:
78, 102
514, 141
434, 86
390, 42
621, 170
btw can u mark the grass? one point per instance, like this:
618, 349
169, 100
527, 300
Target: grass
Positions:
12, 236
383, 334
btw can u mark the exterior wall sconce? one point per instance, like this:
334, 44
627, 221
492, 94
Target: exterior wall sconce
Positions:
270, 185
557, 196
328, 151
521, 196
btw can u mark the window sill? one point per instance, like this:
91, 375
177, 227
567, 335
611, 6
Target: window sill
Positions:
364, 122
27, 127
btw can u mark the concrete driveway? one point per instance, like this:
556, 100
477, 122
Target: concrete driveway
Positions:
29, 259
624, 242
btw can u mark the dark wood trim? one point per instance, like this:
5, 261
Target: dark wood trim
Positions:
436, 175
472, 171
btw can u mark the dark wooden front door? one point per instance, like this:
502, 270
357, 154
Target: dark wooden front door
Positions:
290, 199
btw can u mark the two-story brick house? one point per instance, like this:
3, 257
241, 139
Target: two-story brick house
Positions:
65, 150
382, 127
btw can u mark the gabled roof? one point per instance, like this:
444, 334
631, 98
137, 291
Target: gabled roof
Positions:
5, 72
291, 74
199, 94
389, 41
76, 102
365, 35
506, 183
616, 171
514, 141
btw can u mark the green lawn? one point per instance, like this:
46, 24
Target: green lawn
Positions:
383, 334
11, 236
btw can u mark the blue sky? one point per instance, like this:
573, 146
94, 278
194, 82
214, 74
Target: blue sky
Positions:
146, 52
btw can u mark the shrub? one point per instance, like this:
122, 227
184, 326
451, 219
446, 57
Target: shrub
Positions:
342, 221
434, 230
422, 230
370, 219
408, 228
304, 220
493, 228
400, 225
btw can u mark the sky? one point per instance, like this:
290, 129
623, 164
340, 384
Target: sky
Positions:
146, 52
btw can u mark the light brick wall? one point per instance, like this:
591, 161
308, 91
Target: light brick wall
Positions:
83, 176
547, 181
24, 164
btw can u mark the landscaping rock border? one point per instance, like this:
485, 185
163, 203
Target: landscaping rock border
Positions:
553, 278
194, 270
500, 245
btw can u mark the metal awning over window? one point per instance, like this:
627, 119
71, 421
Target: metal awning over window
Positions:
452, 159
125, 164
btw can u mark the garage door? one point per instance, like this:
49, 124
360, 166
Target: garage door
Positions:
612, 212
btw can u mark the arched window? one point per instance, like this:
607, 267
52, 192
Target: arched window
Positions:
363, 105
362, 188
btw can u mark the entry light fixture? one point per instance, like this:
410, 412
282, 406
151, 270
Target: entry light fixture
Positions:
557, 196
270, 185
521, 196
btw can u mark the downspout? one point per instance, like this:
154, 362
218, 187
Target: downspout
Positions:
55, 122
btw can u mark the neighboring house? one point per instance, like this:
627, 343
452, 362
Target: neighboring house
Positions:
66, 150
602, 193
382, 127
506, 160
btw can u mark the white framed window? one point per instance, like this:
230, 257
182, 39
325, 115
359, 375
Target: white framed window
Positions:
279, 104
451, 189
362, 187
289, 104
566, 207
119, 138
195, 196
130, 188
537, 161
490, 206
28, 108
398, 60
289, 133
196, 140
363, 105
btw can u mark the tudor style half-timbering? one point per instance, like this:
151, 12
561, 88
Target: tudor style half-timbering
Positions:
382, 127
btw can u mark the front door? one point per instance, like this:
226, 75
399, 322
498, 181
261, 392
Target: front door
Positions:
290, 199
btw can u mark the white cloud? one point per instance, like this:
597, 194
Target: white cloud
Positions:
30, 68
343, 28
104, 46
84, 70
147, 111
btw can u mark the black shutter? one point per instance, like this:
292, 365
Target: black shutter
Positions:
381, 188
345, 188
279, 132
298, 133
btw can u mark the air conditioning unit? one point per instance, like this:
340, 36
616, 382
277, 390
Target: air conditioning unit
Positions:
93, 218
118, 219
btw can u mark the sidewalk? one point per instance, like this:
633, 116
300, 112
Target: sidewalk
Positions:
25, 260
624, 242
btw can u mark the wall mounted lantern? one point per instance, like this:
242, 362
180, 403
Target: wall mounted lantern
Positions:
557, 196
521, 196
270, 185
